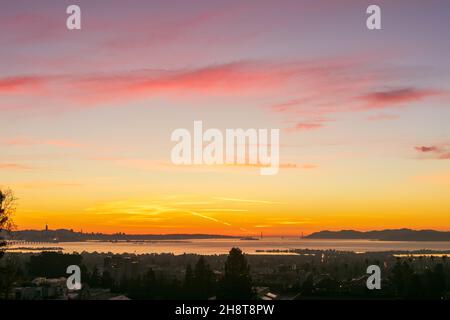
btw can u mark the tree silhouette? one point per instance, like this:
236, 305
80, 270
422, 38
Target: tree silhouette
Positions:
189, 282
436, 281
7, 208
236, 282
8, 272
204, 279
107, 281
199, 283
189, 277
402, 278
94, 279
53, 264
308, 286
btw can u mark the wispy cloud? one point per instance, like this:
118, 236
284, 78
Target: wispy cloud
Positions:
441, 152
222, 210
209, 218
21, 141
319, 88
48, 185
425, 149
397, 97
21, 84
247, 200
293, 222
14, 166
305, 126
244, 77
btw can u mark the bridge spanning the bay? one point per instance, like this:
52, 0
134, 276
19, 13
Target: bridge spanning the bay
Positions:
25, 242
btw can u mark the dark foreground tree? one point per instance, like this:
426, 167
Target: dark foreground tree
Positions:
236, 282
7, 207
54, 264
8, 271
189, 282
199, 284
204, 277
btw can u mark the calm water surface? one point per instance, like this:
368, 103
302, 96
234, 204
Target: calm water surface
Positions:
222, 246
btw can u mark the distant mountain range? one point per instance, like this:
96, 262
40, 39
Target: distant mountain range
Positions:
64, 235
384, 235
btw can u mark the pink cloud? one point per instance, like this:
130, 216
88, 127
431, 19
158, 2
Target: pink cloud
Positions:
19, 84
239, 78
306, 126
441, 152
445, 156
391, 98
321, 87
427, 149
331, 98
233, 78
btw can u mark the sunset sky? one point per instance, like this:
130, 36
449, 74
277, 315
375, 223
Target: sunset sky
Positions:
364, 116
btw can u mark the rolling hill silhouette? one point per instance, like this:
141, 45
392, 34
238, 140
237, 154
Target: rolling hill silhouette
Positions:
385, 235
